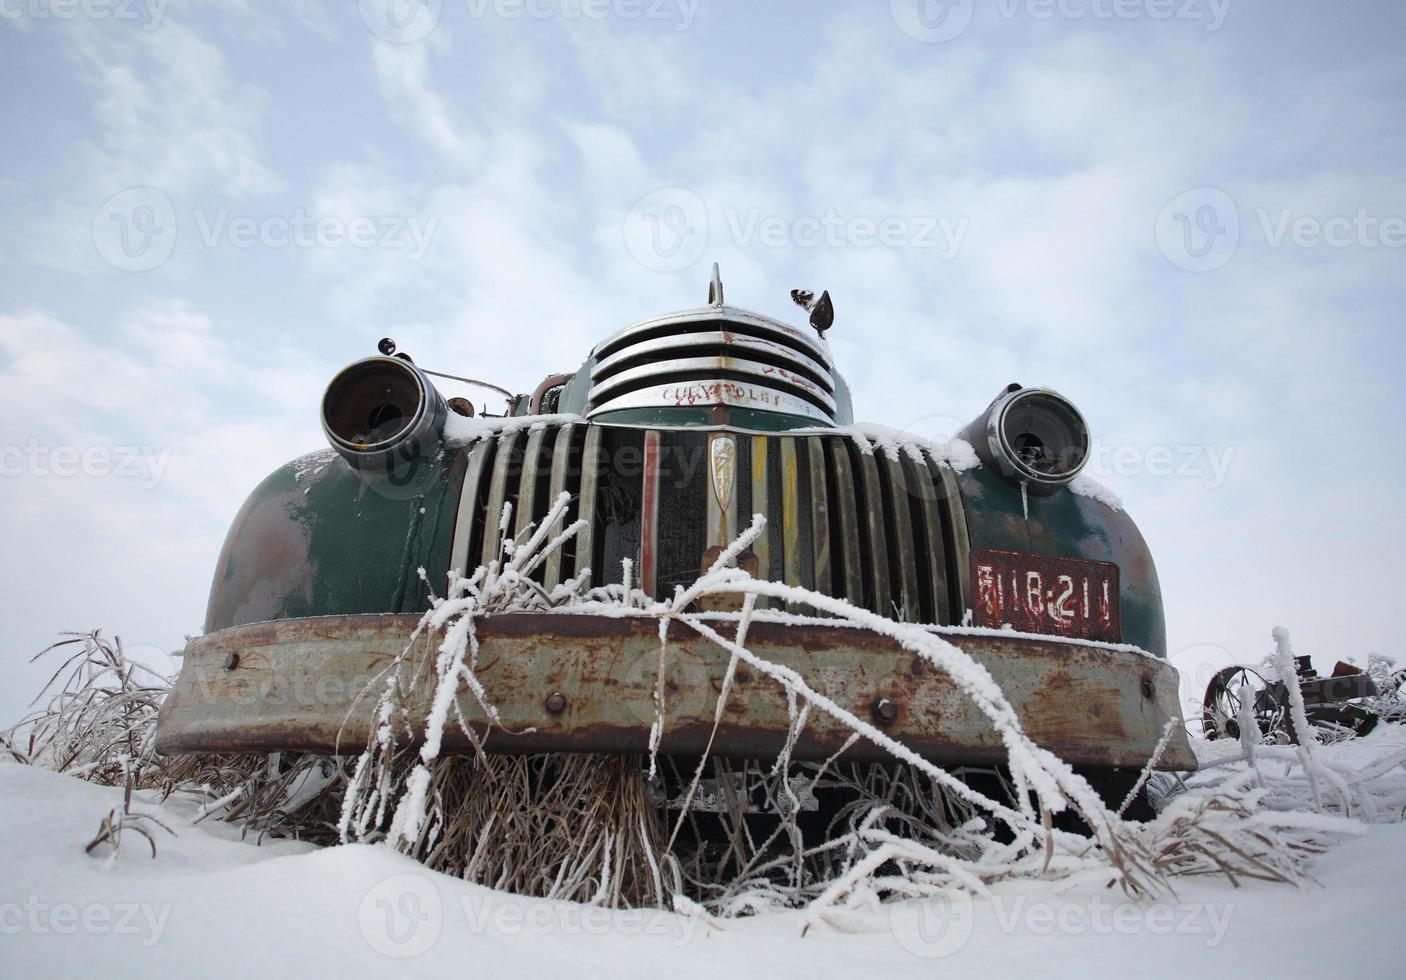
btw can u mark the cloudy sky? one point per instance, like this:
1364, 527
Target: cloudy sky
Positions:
1187, 215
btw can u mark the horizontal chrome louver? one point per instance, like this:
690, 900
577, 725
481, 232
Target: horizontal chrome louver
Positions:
717, 355
887, 533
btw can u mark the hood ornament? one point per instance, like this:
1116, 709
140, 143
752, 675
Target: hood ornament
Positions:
715, 288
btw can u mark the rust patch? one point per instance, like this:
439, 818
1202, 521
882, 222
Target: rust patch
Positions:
314, 684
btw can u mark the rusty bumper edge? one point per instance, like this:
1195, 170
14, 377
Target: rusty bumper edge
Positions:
579, 683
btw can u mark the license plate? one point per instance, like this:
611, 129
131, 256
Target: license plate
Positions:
1045, 594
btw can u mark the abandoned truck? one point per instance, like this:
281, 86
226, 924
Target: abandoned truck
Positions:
672, 434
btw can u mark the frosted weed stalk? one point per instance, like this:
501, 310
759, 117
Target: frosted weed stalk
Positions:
589, 828
96, 719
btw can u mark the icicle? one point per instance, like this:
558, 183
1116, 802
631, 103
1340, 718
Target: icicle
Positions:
1025, 498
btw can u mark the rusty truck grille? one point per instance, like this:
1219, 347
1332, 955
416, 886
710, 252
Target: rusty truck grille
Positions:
886, 533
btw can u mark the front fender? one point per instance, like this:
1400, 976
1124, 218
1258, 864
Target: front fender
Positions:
320, 538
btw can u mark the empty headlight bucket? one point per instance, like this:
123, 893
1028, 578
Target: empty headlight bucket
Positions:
381, 411
1032, 436
1037, 435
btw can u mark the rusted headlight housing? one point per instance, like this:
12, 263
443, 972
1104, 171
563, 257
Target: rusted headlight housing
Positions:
1031, 435
382, 411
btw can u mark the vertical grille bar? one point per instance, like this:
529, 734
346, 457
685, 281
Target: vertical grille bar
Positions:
468, 506
959, 554
877, 536
819, 513
497, 496
561, 464
790, 514
896, 479
761, 547
526, 507
933, 539
849, 569
649, 514
590, 480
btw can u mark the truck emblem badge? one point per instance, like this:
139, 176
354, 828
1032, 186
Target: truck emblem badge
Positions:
722, 461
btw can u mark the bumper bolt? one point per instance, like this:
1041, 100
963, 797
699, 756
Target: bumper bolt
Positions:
885, 711
231, 661
556, 702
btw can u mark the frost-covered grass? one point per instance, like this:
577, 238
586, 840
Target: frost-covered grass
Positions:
913, 828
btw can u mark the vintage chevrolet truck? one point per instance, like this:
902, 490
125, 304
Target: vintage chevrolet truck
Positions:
671, 435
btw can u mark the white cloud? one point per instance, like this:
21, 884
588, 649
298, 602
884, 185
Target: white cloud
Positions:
168, 113
403, 73
183, 425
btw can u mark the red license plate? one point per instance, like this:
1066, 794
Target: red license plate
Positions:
1044, 594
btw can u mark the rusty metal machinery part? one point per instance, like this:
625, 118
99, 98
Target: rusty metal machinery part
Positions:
579, 683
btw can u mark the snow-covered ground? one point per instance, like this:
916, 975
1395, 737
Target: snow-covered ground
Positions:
213, 905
